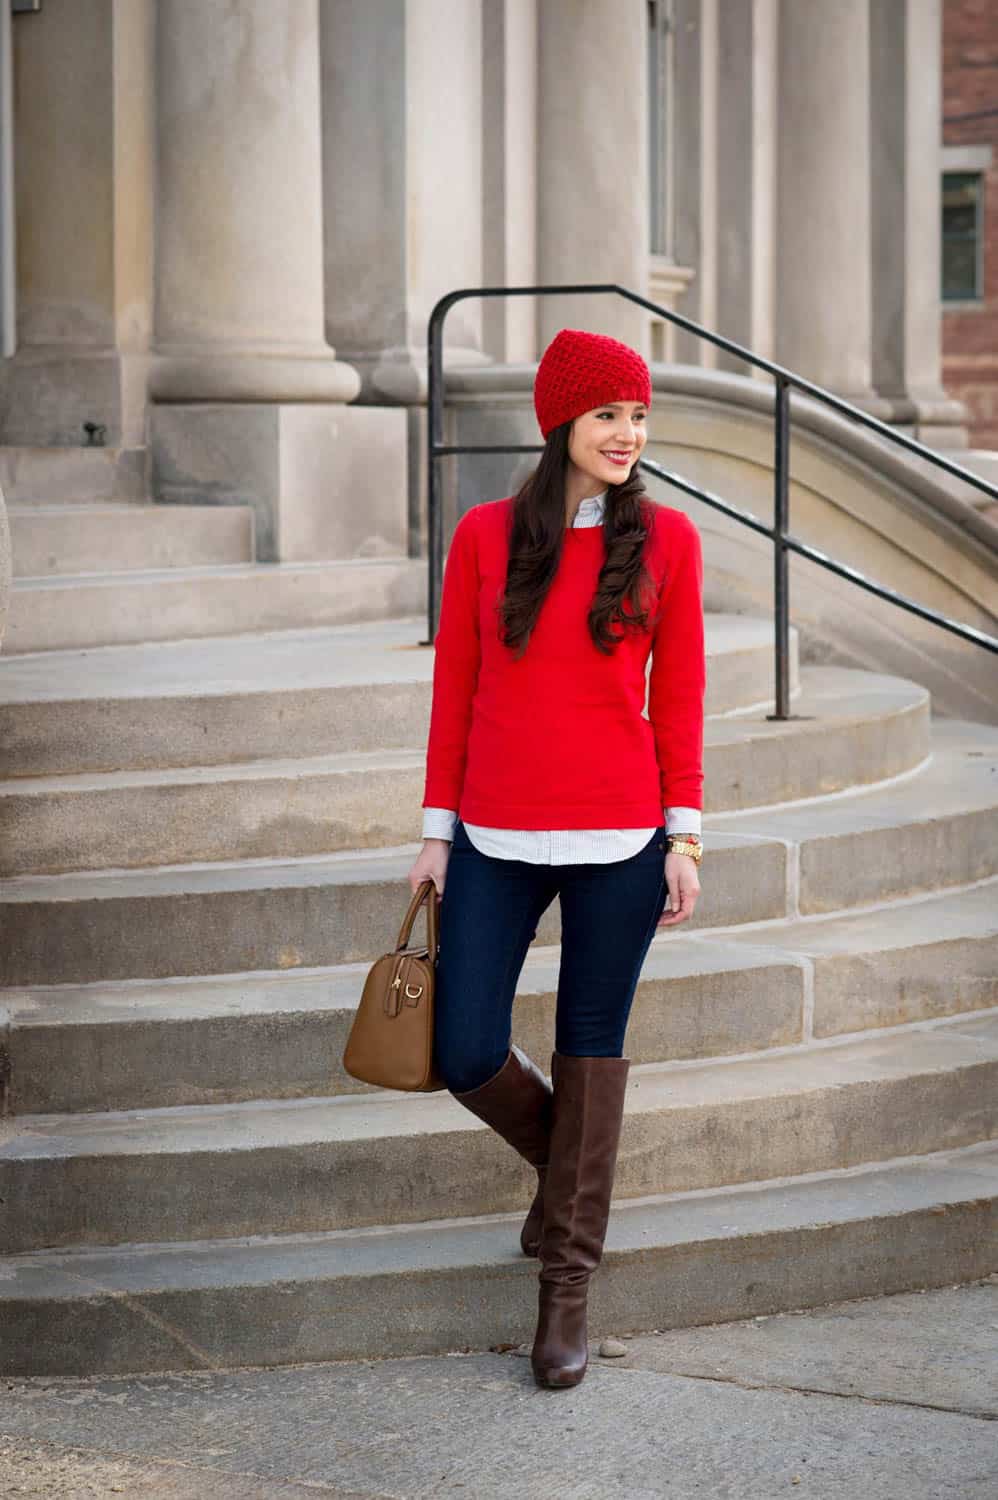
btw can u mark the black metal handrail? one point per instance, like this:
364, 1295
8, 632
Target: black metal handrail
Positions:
783, 541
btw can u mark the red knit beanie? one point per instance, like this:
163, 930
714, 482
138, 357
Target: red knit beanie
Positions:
579, 371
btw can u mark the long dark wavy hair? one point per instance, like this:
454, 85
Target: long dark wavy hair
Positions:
536, 538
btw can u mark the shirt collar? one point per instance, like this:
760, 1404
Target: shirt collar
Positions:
590, 511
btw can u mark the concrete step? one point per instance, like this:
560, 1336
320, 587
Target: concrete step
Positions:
51, 540
108, 609
314, 692
272, 1167
276, 914
852, 728
677, 1260
142, 1045
57, 476
935, 827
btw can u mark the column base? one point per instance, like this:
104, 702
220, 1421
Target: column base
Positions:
187, 375
325, 481
399, 374
932, 418
494, 405
47, 393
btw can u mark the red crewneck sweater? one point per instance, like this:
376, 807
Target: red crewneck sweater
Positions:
559, 738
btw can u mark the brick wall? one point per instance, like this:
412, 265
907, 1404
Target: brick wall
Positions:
970, 85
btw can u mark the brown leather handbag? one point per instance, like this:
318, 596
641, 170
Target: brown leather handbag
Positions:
391, 1039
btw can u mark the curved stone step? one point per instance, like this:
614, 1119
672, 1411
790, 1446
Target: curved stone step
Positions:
270, 1167
109, 609
933, 828
56, 540
271, 914
850, 728
242, 698
672, 1261
887, 842
142, 1045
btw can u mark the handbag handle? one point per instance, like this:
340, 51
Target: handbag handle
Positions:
426, 888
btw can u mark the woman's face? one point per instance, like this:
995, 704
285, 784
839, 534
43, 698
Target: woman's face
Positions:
606, 443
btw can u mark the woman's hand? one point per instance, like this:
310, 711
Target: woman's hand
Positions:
684, 887
431, 864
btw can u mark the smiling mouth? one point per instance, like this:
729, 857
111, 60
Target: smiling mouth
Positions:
617, 456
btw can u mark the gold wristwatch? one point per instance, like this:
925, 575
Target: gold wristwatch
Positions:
685, 843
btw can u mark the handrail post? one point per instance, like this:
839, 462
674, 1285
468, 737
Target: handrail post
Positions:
781, 574
435, 424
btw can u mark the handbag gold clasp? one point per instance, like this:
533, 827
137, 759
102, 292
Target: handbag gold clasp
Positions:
393, 994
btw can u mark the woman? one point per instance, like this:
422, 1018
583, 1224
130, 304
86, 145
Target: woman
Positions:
544, 778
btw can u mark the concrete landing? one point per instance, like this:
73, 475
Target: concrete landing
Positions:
892, 1396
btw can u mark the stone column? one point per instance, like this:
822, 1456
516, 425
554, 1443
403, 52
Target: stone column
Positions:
695, 162
249, 394
824, 314
905, 110
746, 176
402, 172
593, 162
8, 236
509, 175
239, 289
83, 73
7, 286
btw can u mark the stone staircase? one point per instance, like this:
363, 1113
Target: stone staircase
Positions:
204, 845
101, 566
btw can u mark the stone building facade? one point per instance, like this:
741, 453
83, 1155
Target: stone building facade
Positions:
232, 220
970, 162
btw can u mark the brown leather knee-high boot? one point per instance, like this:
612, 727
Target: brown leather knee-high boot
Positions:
587, 1111
516, 1102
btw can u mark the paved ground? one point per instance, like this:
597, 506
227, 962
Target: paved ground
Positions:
890, 1397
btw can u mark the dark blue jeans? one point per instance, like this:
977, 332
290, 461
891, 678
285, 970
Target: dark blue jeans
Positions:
488, 914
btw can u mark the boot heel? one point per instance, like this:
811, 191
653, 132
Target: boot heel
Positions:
560, 1354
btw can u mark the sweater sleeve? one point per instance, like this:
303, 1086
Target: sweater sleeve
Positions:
457, 656
678, 677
